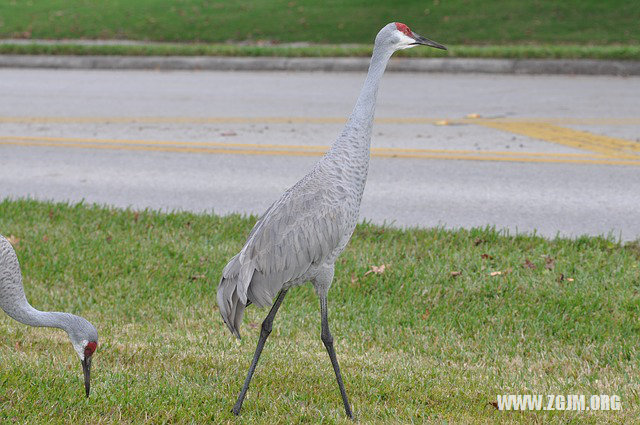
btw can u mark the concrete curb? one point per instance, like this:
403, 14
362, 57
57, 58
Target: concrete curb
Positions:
211, 63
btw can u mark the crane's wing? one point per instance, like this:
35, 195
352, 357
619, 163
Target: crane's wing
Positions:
295, 233
299, 230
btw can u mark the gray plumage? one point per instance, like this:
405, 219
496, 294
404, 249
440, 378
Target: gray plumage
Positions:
299, 237
308, 227
83, 335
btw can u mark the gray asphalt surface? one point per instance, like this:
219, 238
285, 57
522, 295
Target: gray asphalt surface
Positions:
141, 139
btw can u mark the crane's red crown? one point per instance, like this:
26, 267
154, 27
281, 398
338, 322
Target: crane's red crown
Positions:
90, 348
404, 29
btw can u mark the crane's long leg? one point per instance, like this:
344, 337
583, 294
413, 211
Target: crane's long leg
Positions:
327, 339
264, 333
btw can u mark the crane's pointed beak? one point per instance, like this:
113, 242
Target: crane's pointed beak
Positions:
426, 42
86, 368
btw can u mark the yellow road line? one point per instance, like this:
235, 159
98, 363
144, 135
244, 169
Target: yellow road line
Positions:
209, 120
581, 121
303, 120
315, 148
162, 142
221, 148
165, 148
173, 120
603, 145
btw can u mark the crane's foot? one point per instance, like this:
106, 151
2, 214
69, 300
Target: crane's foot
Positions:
238, 406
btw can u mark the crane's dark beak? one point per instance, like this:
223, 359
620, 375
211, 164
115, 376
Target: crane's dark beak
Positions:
426, 42
86, 368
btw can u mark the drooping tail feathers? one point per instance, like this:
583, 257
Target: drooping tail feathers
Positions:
231, 307
241, 284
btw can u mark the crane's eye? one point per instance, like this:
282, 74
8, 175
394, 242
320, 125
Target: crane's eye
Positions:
90, 349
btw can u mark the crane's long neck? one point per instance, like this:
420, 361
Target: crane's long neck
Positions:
364, 110
30, 316
12, 298
357, 132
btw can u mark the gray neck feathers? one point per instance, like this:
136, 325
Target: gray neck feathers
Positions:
357, 131
364, 110
50, 319
14, 302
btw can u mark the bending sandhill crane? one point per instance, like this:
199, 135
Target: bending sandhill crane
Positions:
82, 334
299, 237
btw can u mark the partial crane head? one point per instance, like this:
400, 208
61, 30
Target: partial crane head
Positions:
399, 36
84, 338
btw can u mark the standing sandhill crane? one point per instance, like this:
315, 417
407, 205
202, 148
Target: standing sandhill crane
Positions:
300, 236
82, 334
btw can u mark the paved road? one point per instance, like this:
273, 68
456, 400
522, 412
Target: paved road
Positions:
546, 153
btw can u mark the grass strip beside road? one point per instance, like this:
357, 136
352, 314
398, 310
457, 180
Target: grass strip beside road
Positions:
417, 343
613, 52
449, 22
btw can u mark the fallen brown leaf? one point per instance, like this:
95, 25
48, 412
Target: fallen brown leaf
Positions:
376, 269
494, 404
13, 240
528, 264
426, 314
456, 273
486, 257
478, 241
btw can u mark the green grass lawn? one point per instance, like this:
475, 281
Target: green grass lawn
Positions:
451, 22
499, 29
416, 343
462, 51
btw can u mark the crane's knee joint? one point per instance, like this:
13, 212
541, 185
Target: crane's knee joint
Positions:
327, 338
266, 328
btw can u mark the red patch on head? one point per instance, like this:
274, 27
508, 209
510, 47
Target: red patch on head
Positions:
404, 29
90, 348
